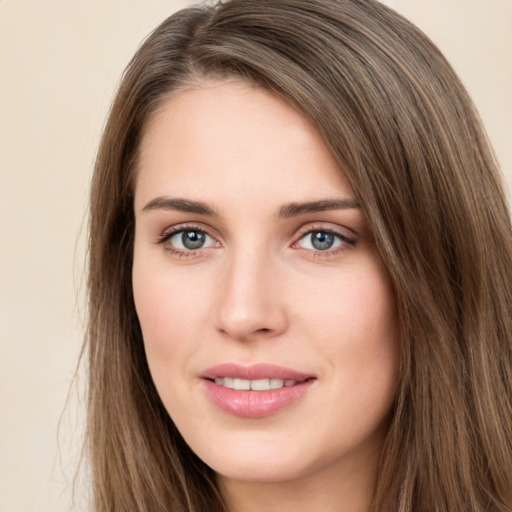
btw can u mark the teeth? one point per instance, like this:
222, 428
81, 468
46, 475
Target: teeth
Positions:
260, 385
254, 385
242, 384
228, 382
276, 383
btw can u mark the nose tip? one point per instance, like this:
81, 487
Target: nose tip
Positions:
250, 305
252, 323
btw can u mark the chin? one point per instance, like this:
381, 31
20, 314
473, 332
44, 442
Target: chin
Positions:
252, 456
263, 470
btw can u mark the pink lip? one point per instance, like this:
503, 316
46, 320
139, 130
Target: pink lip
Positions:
253, 372
254, 404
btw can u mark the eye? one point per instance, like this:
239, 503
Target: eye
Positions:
323, 240
186, 240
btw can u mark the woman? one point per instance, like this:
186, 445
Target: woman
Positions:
300, 272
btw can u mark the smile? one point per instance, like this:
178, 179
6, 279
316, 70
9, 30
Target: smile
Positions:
257, 390
254, 385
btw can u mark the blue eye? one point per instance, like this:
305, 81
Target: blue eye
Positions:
322, 240
190, 240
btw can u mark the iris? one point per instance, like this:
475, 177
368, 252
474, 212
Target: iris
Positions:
322, 240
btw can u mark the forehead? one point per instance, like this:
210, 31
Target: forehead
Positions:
233, 137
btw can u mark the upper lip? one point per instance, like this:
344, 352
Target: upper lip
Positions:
254, 372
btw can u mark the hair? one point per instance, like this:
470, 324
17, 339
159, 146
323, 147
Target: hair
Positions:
406, 134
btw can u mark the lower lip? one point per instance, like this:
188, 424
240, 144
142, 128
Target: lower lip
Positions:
255, 404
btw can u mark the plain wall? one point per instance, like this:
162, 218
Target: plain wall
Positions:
60, 61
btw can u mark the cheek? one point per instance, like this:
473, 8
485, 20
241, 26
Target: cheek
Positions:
354, 322
165, 309
164, 317
355, 303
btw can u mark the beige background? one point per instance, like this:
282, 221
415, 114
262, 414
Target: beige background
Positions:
60, 61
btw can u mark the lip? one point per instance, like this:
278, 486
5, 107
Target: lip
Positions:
253, 372
255, 404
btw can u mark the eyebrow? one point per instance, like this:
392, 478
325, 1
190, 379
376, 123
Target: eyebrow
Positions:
286, 211
294, 209
182, 205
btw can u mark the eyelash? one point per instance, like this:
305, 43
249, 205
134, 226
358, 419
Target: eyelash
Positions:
183, 228
345, 241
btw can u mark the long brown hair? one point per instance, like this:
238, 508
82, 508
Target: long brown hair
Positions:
405, 132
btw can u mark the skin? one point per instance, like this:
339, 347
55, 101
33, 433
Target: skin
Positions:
260, 291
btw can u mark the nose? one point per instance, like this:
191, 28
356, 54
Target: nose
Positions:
251, 303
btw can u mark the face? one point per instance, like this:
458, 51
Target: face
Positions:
268, 320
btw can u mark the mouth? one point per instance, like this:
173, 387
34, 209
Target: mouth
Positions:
255, 391
254, 385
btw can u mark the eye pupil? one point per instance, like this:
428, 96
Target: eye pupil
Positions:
193, 239
322, 240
